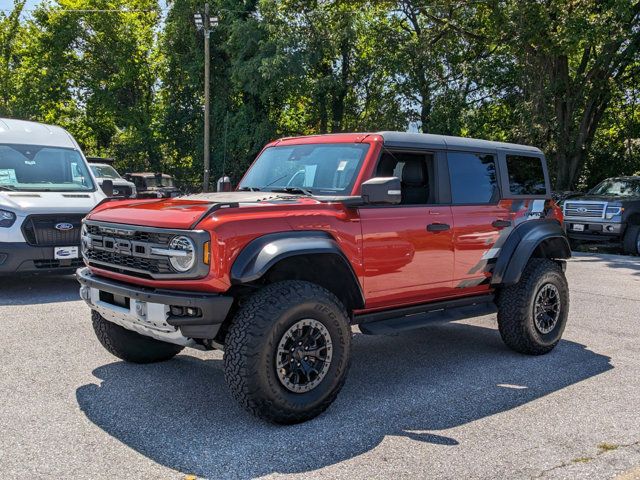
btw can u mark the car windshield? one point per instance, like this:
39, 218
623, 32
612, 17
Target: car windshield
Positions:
158, 181
43, 168
322, 169
104, 171
618, 187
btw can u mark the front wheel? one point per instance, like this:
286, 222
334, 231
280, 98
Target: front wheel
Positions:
287, 352
631, 240
532, 314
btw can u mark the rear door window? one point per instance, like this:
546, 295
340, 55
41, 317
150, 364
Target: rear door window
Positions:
526, 175
473, 178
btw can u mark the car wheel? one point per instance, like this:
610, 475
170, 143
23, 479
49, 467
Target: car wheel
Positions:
631, 240
287, 352
532, 314
131, 346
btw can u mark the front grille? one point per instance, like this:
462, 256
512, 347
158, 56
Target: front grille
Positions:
138, 251
585, 209
49, 264
128, 262
41, 231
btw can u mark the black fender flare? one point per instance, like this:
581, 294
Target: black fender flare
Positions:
262, 253
520, 245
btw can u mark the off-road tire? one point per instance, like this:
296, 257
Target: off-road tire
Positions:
516, 308
252, 342
630, 240
131, 346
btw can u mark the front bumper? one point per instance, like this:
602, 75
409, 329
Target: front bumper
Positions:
20, 257
168, 315
594, 231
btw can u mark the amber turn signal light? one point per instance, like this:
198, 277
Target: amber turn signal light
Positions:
206, 253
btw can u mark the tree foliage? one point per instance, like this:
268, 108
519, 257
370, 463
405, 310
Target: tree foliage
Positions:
126, 76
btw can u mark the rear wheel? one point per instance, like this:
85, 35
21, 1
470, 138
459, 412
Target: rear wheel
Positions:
131, 346
287, 352
631, 240
532, 314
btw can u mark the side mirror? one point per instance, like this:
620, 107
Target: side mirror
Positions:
223, 184
382, 190
107, 187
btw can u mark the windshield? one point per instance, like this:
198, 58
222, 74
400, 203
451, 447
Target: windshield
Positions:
40, 168
158, 181
104, 171
318, 168
617, 187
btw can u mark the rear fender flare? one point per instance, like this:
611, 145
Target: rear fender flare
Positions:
521, 245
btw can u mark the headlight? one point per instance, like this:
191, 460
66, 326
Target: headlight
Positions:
612, 212
184, 256
7, 218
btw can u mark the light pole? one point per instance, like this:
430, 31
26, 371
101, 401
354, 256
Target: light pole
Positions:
205, 23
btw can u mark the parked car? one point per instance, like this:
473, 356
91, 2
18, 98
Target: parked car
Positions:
46, 187
121, 188
608, 214
385, 230
153, 185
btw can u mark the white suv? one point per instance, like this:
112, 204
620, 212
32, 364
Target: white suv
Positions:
46, 188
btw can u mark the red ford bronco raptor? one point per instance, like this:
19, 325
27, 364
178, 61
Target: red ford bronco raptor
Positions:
385, 230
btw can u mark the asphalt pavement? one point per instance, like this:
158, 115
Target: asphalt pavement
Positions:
445, 401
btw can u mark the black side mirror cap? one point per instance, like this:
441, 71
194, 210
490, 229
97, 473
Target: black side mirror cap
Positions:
107, 187
382, 190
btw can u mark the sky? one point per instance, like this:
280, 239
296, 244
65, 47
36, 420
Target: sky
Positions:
8, 4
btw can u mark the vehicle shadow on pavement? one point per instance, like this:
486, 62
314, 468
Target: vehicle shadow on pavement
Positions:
36, 289
181, 415
613, 261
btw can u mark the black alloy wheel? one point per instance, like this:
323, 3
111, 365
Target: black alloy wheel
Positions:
304, 356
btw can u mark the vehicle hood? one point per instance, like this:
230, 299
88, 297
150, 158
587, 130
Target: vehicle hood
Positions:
27, 203
180, 212
116, 181
602, 198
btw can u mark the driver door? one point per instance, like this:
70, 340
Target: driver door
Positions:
408, 248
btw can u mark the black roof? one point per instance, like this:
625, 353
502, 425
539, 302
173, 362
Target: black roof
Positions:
422, 140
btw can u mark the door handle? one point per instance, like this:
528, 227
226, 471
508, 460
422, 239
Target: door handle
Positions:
501, 223
437, 227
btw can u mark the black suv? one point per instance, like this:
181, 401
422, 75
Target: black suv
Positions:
153, 185
609, 213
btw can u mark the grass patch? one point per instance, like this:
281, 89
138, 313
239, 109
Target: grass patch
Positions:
582, 460
607, 447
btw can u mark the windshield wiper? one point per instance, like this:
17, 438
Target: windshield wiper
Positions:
8, 188
304, 191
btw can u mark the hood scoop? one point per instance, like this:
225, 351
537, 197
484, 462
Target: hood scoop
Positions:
29, 195
72, 195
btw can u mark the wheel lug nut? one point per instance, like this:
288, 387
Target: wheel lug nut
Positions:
299, 343
306, 358
306, 348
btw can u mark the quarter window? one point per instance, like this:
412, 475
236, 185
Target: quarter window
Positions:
473, 178
526, 175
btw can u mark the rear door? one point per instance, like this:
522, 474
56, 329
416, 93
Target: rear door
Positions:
480, 218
